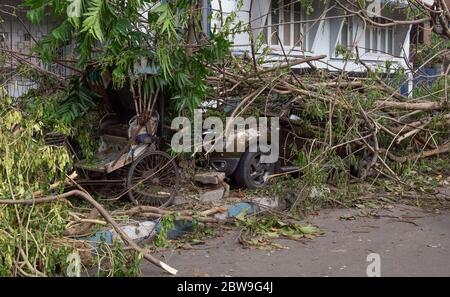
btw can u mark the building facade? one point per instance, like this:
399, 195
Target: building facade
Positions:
17, 39
289, 30
296, 31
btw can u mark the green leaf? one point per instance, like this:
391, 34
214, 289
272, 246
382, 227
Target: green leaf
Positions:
311, 230
36, 15
92, 23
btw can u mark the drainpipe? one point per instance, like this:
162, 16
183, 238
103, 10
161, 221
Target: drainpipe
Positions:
206, 10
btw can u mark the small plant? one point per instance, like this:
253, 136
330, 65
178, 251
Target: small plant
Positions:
166, 223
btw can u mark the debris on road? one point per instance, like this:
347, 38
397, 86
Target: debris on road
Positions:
210, 178
240, 209
213, 195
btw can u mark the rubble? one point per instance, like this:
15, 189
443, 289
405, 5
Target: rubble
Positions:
213, 195
210, 178
215, 185
139, 232
269, 202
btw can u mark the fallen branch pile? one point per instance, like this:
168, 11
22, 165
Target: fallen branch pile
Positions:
324, 115
329, 112
328, 118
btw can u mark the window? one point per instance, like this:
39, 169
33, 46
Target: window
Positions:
285, 23
380, 39
347, 32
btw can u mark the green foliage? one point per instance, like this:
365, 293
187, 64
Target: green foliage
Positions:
93, 17
427, 54
114, 261
260, 231
125, 33
59, 110
314, 173
432, 91
342, 50
28, 165
167, 223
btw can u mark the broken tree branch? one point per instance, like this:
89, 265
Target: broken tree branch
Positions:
104, 213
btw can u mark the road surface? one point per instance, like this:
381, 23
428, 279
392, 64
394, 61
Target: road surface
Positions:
409, 242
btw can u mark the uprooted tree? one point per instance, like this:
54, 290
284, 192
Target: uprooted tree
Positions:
346, 126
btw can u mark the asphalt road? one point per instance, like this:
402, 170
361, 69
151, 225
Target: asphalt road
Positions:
409, 242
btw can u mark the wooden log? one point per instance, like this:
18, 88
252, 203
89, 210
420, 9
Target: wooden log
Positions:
425, 154
425, 106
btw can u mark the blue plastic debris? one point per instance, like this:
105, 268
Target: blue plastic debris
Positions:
180, 228
100, 237
237, 209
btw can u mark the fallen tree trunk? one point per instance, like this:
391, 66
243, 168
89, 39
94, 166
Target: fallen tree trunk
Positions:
440, 150
425, 106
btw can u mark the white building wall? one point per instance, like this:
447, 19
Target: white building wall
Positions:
19, 36
325, 35
260, 9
